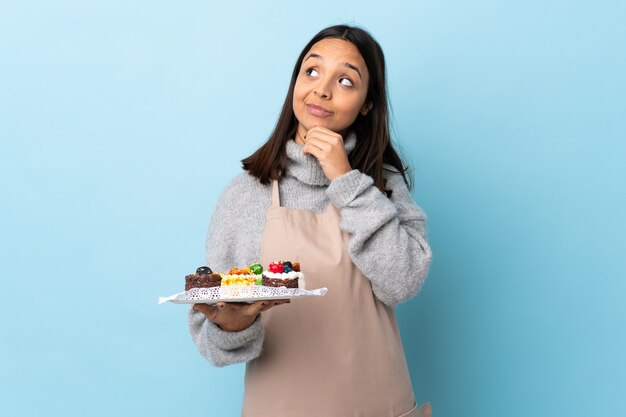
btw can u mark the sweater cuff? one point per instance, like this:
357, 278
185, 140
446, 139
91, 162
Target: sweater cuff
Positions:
344, 189
234, 340
229, 340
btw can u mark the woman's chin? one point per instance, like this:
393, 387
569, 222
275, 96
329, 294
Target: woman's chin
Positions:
309, 124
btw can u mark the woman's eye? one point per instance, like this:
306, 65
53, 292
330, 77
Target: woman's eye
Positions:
346, 82
308, 71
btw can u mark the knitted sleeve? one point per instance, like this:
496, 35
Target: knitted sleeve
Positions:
225, 248
387, 240
225, 348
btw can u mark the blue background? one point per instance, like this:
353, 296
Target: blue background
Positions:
121, 121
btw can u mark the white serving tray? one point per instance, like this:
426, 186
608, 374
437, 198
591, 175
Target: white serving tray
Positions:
239, 294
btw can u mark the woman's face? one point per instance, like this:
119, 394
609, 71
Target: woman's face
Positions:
331, 87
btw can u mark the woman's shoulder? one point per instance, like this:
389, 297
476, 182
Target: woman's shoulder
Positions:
400, 194
244, 190
244, 184
394, 178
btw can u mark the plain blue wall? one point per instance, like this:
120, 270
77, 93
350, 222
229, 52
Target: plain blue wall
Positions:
121, 121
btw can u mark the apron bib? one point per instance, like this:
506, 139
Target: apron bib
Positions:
334, 356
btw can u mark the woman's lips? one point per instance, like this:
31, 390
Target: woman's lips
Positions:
317, 110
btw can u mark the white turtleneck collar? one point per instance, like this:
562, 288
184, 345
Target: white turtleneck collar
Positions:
306, 168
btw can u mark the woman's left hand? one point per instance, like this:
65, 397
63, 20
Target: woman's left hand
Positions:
327, 147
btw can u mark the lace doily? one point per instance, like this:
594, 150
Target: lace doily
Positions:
239, 293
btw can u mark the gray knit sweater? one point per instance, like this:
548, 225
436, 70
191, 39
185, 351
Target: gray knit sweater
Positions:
387, 238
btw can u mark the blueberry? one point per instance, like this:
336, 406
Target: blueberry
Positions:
203, 270
288, 267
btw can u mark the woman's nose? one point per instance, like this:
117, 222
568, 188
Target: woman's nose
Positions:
323, 90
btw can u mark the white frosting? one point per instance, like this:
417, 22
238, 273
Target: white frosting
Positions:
283, 275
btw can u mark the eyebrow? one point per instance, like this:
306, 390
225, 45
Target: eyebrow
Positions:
346, 64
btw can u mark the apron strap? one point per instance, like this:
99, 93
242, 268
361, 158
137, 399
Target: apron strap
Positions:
275, 194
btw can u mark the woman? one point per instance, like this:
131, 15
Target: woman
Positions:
329, 191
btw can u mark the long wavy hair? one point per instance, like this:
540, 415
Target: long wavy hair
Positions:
373, 147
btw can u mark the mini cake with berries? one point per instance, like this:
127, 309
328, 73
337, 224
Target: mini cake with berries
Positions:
203, 278
284, 274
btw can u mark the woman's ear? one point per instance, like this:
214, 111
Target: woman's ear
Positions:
366, 108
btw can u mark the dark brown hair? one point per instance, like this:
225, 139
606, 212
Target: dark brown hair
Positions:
373, 147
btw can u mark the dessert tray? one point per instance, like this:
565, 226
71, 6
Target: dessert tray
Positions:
239, 294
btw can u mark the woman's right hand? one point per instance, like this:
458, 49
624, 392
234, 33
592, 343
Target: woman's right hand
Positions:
235, 317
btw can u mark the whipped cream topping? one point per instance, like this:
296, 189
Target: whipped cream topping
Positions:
283, 275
